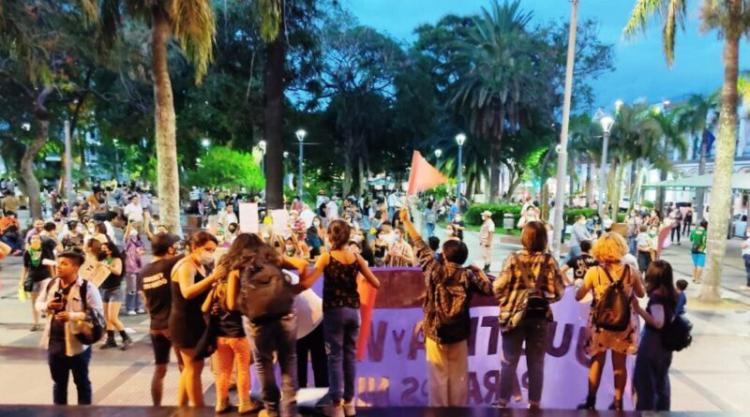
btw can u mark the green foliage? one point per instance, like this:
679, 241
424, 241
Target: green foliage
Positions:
228, 169
473, 215
569, 216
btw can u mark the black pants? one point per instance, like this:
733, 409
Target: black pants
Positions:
314, 345
60, 366
676, 229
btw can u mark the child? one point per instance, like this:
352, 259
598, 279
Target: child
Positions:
681, 297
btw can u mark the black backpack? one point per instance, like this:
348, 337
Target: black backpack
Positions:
91, 329
676, 335
612, 310
266, 293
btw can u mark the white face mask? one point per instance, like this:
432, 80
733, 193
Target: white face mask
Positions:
206, 258
316, 223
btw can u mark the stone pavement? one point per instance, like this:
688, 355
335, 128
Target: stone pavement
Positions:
711, 375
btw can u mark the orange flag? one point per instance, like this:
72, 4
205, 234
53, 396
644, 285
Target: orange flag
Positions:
423, 176
367, 296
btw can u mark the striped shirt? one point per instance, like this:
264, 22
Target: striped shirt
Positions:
513, 291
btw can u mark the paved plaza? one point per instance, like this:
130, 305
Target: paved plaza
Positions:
712, 375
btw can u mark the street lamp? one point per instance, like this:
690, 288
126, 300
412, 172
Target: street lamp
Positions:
301, 133
460, 140
117, 158
438, 154
205, 143
606, 122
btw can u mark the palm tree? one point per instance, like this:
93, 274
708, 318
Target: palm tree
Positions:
694, 118
732, 19
672, 139
192, 24
500, 55
585, 147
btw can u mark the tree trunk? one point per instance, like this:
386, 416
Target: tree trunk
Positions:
633, 184
721, 191
494, 160
700, 192
30, 183
273, 116
589, 184
168, 179
661, 192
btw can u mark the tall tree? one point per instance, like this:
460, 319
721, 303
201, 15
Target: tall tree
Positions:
192, 24
731, 18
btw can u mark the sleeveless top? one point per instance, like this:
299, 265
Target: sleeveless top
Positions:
186, 322
113, 281
340, 285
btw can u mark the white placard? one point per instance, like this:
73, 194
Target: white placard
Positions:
280, 219
249, 218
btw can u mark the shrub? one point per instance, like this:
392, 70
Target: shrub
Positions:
474, 214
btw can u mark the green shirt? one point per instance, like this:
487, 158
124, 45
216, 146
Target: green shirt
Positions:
698, 237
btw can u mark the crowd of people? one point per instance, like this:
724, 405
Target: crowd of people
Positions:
196, 295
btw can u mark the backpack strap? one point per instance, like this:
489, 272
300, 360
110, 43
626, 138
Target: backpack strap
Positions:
84, 292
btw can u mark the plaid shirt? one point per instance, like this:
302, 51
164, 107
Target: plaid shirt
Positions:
513, 292
449, 288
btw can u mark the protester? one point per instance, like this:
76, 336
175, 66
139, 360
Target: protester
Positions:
687, 222
341, 319
66, 307
486, 234
232, 345
529, 282
446, 323
72, 238
430, 218
619, 338
400, 253
698, 238
38, 266
154, 279
111, 292
134, 213
190, 281
458, 227
651, 373
676, 218
274, 336
310, 339
313, 238
578, 233
580, 264
134, 249
645, 248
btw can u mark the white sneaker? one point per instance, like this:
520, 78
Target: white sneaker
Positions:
131, 313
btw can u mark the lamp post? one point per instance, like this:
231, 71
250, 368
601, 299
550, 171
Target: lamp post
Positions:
205, 142
606, 122
117, 159
460, 140
438, 154
301, 133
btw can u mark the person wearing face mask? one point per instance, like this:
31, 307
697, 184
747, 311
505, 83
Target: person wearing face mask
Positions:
313, 238
190, 282
36, 230
72, 239
400, 252
38, 266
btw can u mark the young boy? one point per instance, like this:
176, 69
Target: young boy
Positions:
579, 264
681, 285
446, 341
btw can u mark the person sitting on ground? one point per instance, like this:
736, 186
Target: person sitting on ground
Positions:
446, 323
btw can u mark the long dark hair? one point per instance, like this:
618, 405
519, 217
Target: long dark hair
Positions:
659, 275
242, 241
254, 254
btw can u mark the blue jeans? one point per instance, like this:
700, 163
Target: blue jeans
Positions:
60, 366
651, 373
341, 329
534, 333
430, 229
133, 299
278, 336
632, 245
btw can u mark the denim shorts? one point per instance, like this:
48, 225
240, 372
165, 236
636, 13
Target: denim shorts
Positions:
111, 295
699, 260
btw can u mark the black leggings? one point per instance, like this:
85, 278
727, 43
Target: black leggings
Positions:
314, 345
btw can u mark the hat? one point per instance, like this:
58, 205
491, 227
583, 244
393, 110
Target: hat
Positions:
486, 213
607, 223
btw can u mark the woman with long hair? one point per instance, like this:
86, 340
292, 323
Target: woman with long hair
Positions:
609, 251
191, 280
111, 292
651, 373
341, 318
